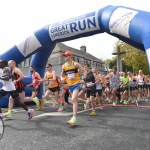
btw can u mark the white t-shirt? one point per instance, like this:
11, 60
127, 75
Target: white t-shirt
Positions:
7, 85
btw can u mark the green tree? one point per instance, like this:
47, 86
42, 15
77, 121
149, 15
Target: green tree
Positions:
133, 58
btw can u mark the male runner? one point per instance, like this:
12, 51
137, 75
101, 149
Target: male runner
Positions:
17, 77
71, 75
91, 80
9, 88
114, 83
98, 87
53, 83
36, 81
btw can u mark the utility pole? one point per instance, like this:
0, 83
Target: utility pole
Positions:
119, 61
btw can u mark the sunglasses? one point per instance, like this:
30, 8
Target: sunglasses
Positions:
66, 55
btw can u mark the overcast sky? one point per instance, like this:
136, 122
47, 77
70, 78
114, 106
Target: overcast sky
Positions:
20, 18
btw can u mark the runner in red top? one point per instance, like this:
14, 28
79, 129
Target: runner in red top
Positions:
36, 81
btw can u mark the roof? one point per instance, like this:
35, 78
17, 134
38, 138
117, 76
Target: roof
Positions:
60, 47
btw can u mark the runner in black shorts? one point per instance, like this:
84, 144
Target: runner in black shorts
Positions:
17, 77
9, 88
91, 80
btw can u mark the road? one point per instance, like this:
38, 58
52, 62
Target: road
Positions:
114, 128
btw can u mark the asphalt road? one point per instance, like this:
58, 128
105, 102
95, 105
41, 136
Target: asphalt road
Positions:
120, 128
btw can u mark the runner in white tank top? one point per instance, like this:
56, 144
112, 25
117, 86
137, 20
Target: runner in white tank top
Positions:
7, 85
9, 88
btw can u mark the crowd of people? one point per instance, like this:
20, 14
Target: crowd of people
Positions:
80, 83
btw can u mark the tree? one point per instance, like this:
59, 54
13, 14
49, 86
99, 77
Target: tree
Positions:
113, 62
133, 58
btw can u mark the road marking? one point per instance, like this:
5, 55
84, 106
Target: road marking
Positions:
70, 113
61, 113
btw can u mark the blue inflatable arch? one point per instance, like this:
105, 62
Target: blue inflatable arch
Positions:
129, 25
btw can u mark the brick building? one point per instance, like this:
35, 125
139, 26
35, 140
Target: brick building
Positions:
81, 56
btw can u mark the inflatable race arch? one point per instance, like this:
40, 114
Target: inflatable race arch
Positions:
129, 25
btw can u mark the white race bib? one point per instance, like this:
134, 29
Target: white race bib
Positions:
71, 76
51, 82
88, 84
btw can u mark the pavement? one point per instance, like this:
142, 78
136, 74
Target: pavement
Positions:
114, 128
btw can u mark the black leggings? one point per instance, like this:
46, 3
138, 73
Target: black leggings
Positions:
15, 96
66, 96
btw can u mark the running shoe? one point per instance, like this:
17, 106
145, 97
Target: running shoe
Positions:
42, 103
36, 100
125, 102
93, 113
30, 113
114, 104
72, 121
101, 107
54, 105
53, 100
121, 101
60, 109
39, 108
109, 101
8, 114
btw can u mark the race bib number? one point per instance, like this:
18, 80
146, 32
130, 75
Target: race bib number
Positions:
88, 84
51, 82
34, 81
71, 76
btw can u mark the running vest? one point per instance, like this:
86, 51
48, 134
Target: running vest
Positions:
71, 74
35, 80
140, 80
90, 79
54, 83
114, 80
18, 85
133, 82
7, 85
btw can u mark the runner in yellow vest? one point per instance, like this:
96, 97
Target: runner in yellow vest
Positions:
71, 75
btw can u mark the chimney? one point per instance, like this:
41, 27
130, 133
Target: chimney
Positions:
83, 48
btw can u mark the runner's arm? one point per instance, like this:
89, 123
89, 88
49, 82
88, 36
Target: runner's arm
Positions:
62, 72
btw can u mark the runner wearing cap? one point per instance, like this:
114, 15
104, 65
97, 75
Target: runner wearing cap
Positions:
71, 75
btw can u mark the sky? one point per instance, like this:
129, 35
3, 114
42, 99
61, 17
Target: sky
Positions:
20, 18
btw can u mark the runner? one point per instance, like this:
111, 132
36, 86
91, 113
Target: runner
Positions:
114, 84
91, 80
36, 81
141, 85
17, 77
9, 88
71, 75
98, 87
53, 83
124, 88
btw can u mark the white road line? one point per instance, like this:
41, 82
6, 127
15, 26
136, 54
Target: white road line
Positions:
60, 113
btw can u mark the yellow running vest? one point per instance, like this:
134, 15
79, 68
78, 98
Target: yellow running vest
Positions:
71, 74
54, 83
